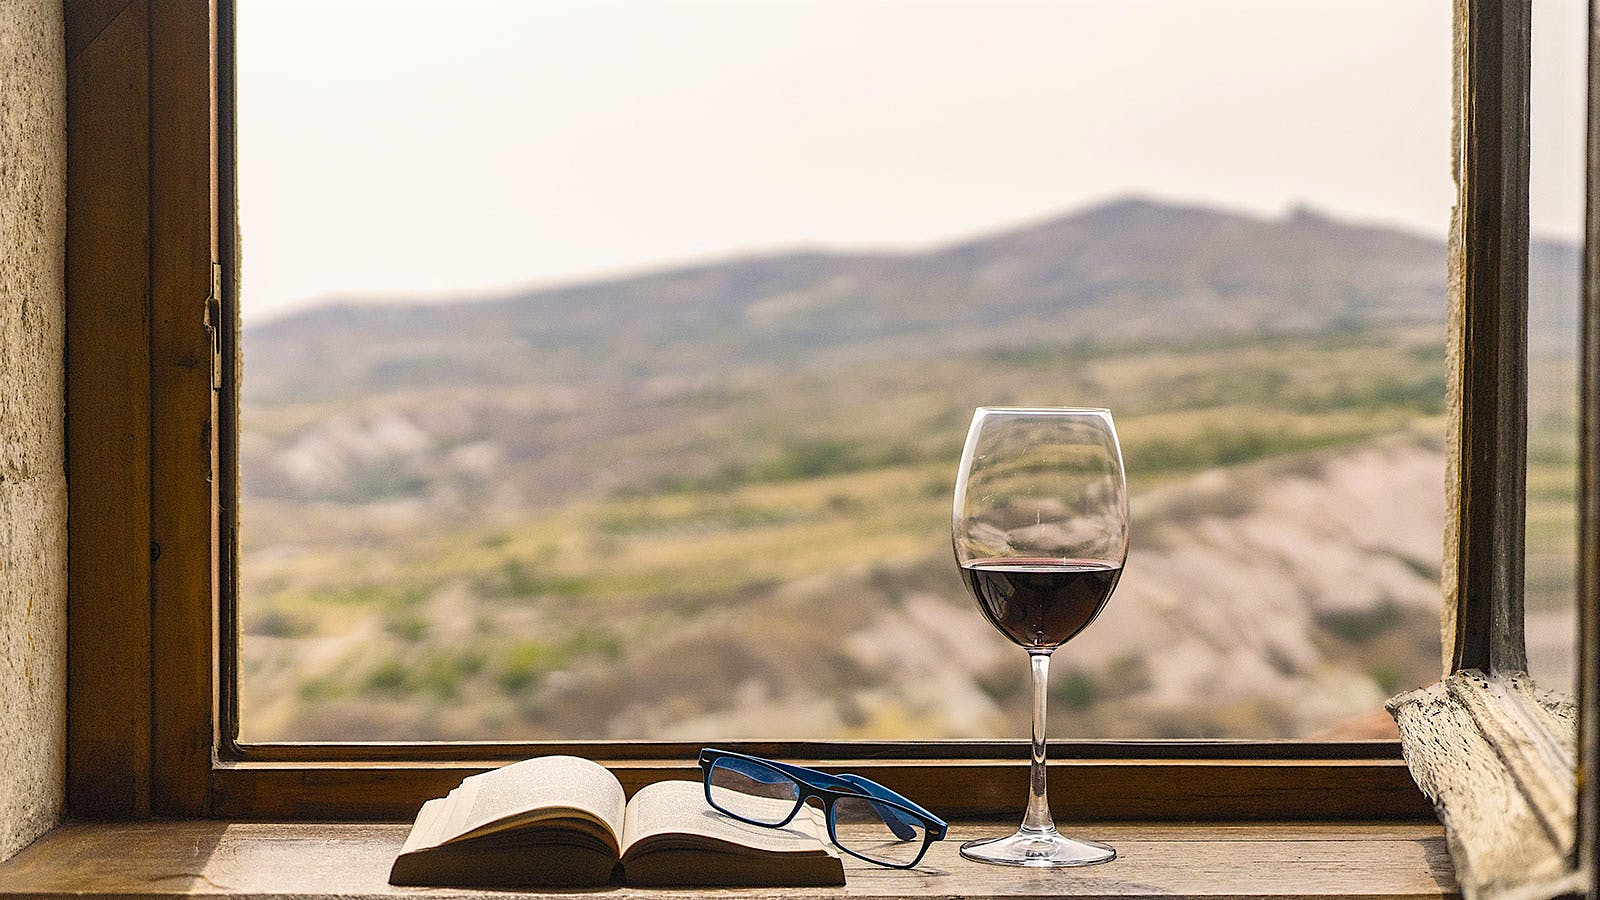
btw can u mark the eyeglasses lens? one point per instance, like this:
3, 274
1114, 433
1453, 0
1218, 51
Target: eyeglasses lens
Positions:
877, 831
752, 791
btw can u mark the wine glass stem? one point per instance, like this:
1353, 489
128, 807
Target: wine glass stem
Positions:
1037, 820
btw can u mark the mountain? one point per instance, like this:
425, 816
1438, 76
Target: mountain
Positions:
712, 502
1133, 270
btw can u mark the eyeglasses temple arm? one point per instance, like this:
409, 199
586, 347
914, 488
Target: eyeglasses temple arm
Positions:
768, 771
874, 789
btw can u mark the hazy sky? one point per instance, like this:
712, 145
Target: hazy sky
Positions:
401, 149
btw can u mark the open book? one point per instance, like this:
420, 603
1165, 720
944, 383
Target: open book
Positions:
561, 820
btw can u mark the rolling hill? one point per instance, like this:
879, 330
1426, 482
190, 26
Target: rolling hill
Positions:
1131, 270
620, 508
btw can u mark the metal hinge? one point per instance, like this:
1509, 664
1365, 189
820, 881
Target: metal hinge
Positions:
214, 325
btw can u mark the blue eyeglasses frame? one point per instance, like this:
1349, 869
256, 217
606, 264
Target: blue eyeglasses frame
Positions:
902, 816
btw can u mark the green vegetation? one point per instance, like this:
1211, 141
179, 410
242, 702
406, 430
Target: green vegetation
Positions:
1214, 447
522, 664
1387, 677
469, 619
714, 501
438, 674
407, 626
278, 623
1075, 690
1359, 626
519, 579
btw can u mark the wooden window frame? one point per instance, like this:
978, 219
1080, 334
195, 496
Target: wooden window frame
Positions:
1586, 861
153, 374
1503, 762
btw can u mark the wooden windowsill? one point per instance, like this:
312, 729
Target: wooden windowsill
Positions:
351, 861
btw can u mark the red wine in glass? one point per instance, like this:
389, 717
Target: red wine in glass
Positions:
1040, 530
1040, 603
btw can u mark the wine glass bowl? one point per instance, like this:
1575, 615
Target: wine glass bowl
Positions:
1040, 532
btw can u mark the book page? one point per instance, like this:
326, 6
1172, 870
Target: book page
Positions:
426, 831
531, 790
680, 808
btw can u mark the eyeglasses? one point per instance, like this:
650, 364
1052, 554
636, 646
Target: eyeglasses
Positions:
865, 819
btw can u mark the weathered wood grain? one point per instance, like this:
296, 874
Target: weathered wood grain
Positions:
823, 752
200, 858
1455, 347
1127, 789
1497, 758
108, 418
141, 239
86, 19
183, 247
1589, 489
1534, 735
1488, 336
1480, 748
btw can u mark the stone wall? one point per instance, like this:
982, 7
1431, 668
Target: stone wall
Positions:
33, 485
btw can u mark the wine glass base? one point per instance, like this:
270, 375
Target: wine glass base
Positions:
1037, 849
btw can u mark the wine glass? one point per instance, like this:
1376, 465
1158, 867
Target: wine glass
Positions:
1041, 532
